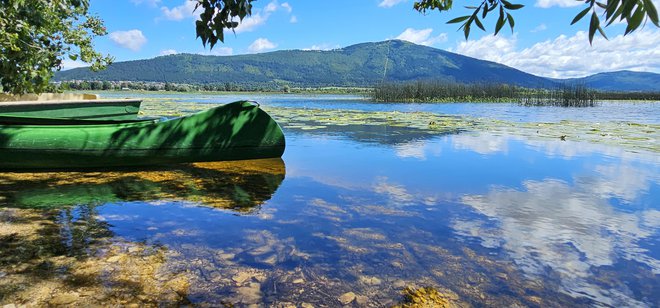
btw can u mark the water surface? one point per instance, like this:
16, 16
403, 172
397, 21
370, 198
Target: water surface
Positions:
352, 212
638, 112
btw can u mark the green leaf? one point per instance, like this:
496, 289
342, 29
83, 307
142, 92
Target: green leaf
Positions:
512, 23
651, 12
510, 6
500, 21
593, 26
602, 32
479, 24
611, 8
635, 20
458, 19
580, 15
618, 13
628, 6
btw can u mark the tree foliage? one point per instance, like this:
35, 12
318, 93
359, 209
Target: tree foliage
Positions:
218, 15
36, 36
632, 12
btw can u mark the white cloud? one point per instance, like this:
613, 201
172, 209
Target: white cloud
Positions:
559, 3
261, 44
565, 57
539, 28
490, 47
287, 7
149, 2
250, 23
271, 7
258, 19
293, 19
322, 46
167, 52
390, 3
221, 51
68, 64
422, 36
131, 39
218, 51
180, 12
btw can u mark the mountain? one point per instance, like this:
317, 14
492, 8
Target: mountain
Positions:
358, 65
627, 81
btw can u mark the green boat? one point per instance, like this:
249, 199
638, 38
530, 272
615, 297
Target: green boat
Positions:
236, 131
97, 109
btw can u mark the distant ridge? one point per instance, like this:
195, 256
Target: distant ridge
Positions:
359, 65
627, 81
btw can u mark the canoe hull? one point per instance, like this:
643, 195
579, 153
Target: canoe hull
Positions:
96, 109
234, 131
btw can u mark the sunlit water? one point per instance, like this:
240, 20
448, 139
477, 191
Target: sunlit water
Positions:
638, 112
356, 214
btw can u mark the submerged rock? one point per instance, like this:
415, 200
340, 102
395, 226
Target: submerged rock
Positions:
347, 298
428, 297
64, 299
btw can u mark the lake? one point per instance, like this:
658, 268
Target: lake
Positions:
371, 205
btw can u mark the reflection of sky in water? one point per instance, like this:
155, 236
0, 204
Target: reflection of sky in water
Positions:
582, 218
639, 112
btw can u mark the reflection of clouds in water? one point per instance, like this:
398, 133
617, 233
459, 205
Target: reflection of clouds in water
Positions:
570, 149
418, 149
114, 217
569, 229
396, 193
621, 181
488, 143
482, 143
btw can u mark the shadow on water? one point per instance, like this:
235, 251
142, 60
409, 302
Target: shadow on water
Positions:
56, 249
379, 134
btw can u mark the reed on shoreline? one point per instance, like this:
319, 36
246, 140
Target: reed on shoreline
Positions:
437, 91
563, 95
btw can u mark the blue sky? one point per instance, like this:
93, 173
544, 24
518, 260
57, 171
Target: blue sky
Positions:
543, 42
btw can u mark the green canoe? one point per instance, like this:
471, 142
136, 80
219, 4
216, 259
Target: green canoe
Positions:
239, 130
96, 109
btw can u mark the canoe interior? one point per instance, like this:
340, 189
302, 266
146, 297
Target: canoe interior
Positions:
116, 109
234, 131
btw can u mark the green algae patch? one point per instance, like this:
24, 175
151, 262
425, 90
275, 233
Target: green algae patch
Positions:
628, 135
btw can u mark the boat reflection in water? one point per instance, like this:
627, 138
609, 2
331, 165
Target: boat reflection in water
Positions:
56, 247
237, 185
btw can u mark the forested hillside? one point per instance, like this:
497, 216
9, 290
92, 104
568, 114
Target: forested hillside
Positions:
359, 65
